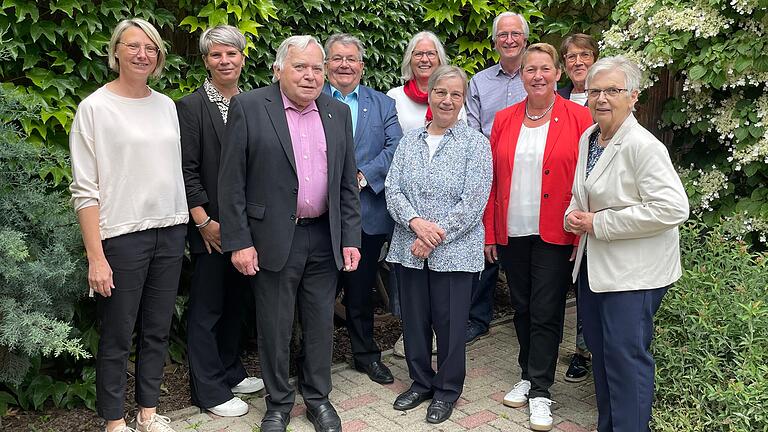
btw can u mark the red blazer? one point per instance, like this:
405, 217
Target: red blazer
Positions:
569, 120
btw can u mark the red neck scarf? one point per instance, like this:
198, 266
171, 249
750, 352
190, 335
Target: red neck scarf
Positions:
413, 92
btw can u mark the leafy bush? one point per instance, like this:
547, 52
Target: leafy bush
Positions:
41, 268
711, 345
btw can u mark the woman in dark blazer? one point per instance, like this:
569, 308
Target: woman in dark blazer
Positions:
215, 300
535, 148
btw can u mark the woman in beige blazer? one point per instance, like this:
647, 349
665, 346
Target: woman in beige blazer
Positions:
627, 204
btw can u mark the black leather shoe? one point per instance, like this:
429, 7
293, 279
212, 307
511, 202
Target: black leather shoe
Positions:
377, 371
324, 418
410, 399
275, 421
439, 411
578, 370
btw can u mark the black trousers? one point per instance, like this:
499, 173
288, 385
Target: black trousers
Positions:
358, 287
145, 270
436, 301
538, 274
618, 328
307, 283
213, 329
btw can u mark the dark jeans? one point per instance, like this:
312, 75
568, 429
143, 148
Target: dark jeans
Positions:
436, 301
483, 287
538, 274
213, 329
618, 328
358, 291
145, 270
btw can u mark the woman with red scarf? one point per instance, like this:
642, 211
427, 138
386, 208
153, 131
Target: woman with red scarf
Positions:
423, 55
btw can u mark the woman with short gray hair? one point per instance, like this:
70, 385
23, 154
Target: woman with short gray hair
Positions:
217, 288
128, 191
436, 191
627, 204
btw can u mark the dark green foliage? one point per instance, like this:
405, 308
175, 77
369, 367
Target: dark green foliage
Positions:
711, 345
40, 267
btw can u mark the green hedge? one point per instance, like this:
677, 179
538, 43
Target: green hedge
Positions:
711, 345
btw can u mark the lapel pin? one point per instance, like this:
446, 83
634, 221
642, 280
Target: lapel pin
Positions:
330, 116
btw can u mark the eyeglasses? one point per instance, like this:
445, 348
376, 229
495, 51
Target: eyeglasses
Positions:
133, 49
442, 93
584, 55
337, 60
507, 35
431, 54
609, 92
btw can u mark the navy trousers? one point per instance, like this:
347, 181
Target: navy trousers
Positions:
358, 292
436, 301
618, 329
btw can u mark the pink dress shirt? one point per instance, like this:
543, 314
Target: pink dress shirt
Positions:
311, 156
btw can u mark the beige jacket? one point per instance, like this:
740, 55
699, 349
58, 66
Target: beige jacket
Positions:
638, 201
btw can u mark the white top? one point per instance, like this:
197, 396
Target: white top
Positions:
432, 142
126, 159
525, 187
579, 98
411, 114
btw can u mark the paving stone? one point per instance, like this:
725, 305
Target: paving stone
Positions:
475, 420
365, 406
357, 402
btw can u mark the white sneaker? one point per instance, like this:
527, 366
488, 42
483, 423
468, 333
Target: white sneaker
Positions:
123, 428
540, 415
518, 396
234, 407
399, 349
156, 423
249, 385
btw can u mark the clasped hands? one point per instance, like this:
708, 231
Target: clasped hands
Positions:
429, 235
580, 222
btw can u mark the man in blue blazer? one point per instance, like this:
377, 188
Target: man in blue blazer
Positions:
376, 134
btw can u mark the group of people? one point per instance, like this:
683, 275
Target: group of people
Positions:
293, 190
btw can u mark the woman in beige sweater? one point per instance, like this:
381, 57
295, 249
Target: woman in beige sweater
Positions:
128, 192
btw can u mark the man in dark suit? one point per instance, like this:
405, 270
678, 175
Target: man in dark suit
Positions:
290, 214
377, 133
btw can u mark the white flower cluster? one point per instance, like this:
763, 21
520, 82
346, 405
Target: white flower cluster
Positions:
699, 18
744, 7
739, 225
723, 119
751, 153
708, 184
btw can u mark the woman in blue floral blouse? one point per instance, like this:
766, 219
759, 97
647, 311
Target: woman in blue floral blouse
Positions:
436, 191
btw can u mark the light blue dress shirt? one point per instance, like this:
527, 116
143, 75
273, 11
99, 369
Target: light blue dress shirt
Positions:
351, 100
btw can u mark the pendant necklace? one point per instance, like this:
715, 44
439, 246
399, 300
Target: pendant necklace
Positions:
538, 117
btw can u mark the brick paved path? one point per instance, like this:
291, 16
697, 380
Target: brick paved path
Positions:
366, 406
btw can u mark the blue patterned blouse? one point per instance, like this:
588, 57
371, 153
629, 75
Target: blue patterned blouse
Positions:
451, 190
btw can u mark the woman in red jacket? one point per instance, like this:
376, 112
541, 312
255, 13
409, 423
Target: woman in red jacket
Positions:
535, 148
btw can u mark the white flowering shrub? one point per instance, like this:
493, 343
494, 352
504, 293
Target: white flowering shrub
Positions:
718, 50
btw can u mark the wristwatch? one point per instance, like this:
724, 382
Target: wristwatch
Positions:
362, 182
